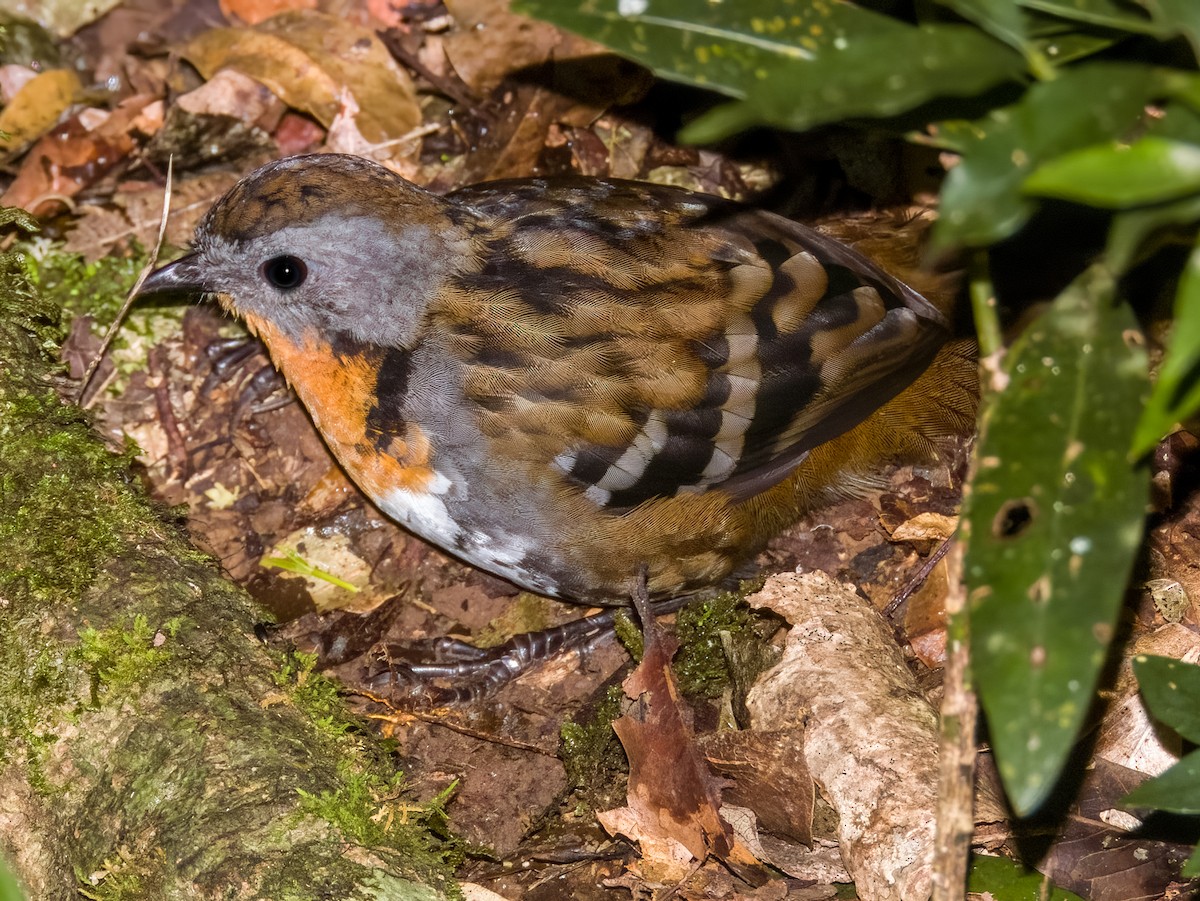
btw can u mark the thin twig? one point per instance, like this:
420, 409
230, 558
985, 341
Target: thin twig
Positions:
137, 286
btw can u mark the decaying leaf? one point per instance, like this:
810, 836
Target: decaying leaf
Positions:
35, 109
307, 59
673, 800
79, 152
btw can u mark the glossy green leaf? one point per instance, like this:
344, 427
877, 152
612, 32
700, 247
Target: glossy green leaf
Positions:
1067, 45
1176, 394
726, 47
796, 63
1117, 176
1171, 690
1177, 790
1007, 880
1177, 17
864, 80
1130, 230
1002, 19
1116, 14
982, 201
1053, 518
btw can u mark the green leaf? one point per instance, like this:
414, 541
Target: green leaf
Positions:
726, 47
1177, 790
797, 64
864, 80
1053, 517
1108, 13
1066, 45
1171, 689
1116, 175
294, 563
10, 889
1002, 19
1007, 880
1191, 869
1177, 17
1129, 231
1176, 394
982, 201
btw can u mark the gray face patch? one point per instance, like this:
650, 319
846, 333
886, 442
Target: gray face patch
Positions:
364, 279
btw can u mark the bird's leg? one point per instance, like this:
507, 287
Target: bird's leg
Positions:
463, 674
261, 392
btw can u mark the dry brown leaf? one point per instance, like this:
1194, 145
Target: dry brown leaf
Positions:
673, 799
307, 58
1103, 854
96, 231
490, 42
254, 11
35, 109
926, 527
769, 776
230, 93
74, 156
63, 17
1128, 735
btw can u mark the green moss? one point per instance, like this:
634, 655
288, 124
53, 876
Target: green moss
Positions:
119, 658
98, 288
701, 665
589, 750
363, 807
629, 633
314, 694
367, 806
76, 285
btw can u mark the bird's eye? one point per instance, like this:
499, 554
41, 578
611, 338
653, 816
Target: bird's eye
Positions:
285, 272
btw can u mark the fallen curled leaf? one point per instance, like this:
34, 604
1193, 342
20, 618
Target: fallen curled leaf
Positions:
35, 109
490, 42
926, 527
307, 59
63, 17
75, 155
673, 799
769, 776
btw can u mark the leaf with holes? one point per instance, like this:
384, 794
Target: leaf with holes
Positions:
1053, 518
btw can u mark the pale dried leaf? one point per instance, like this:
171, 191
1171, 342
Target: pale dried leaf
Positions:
35, 109
307, 58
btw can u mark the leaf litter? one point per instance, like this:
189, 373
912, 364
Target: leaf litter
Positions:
449, 95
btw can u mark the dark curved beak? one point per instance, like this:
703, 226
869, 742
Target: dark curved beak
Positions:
184, 276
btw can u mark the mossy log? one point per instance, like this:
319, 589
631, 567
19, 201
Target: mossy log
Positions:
150, 746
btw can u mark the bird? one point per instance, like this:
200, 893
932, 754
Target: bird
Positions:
579, 385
